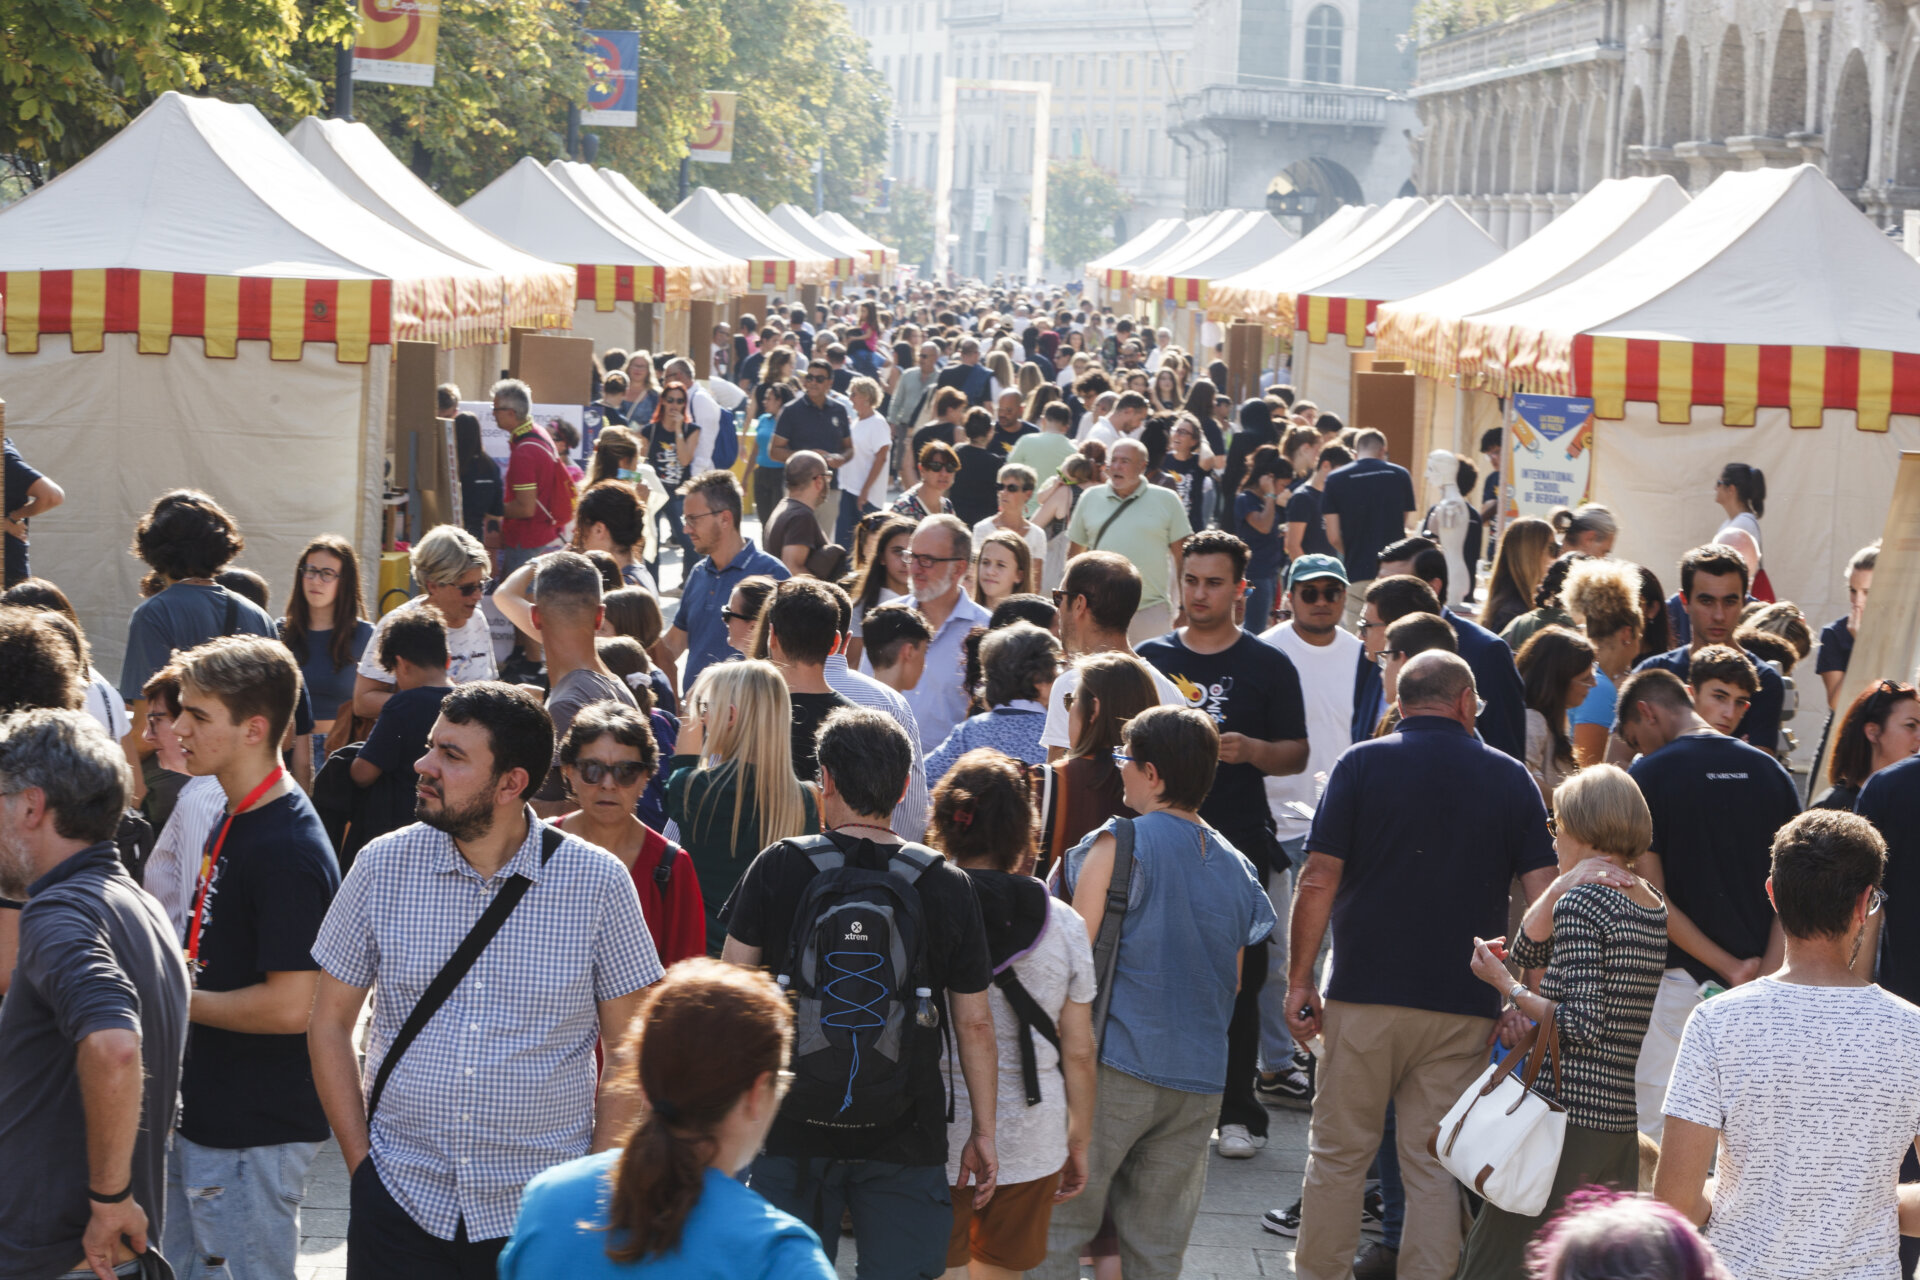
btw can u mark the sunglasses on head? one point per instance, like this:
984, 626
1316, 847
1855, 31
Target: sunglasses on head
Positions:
625, 773
1309, 593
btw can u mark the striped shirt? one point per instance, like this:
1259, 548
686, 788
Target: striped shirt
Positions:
500, 1084
862, 690
1604, 960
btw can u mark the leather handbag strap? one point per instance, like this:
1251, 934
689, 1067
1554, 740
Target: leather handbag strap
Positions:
458, 964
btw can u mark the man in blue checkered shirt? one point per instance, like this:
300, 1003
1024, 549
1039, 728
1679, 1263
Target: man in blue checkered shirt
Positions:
502, 1082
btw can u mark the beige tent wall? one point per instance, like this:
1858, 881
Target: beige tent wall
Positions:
474, 369
613, 328
1323, 373
282, 445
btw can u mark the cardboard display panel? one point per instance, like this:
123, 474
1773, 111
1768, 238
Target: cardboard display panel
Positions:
699, 327
1385, 402
559, 370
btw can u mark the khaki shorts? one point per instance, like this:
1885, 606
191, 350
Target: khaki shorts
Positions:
1011, 1232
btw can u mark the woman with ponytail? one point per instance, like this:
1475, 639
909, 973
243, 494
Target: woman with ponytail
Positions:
711, 1042
1741, 492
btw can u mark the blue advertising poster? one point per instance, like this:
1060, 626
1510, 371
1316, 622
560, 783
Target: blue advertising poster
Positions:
1549, 455
613, 69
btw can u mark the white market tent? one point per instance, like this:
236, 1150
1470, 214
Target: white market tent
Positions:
882, 258
1149, 275
1111, 271
848, 258
617, 274
774, 265
1425, 330
1265, 292
709, 273
732, 270
228, 318
754, 217
1335, 307
1692, 332
1253, 236
535, 293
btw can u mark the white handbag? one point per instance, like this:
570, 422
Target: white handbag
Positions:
1503, 1137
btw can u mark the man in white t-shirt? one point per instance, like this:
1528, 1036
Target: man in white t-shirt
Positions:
863, 480
1126, 422
1806, 1082
1328, 659
1097, 599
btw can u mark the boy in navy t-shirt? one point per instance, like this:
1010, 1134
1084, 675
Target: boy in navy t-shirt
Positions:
414, 648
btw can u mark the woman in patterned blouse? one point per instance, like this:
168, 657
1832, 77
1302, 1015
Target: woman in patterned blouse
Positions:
938, 465
1601, 932
1021, 662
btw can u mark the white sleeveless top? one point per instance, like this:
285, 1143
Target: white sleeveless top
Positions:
1745, 523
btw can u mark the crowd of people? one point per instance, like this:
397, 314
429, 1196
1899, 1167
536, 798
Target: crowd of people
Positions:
1078, 766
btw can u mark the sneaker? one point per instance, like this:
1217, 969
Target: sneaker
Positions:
1282, 1222
1288, 1088
1237, 1144
1373, 1208
1376, 1262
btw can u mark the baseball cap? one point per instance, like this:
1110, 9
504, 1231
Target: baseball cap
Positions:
1316, 566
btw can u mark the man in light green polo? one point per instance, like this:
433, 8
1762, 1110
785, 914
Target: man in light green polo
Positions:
1143, 522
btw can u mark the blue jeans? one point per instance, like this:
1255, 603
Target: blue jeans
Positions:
902, 1214
1260, 597
850, 513
1276, 1044
234, 1213
677, 534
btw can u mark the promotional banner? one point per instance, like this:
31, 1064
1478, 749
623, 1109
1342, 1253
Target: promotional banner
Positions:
397, 41
1548, 457
496, 444
712, 143
613, 70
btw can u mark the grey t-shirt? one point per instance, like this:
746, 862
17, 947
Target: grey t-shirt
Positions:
183, 616
95, 954
570, 692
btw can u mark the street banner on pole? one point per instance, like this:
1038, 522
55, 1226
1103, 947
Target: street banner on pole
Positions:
397, 41
712, 142
613, 71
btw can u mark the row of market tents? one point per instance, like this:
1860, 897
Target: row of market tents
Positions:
1766, 320
204, 303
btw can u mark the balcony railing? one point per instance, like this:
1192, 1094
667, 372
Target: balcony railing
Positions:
974, 10
1285, 104
1567, 32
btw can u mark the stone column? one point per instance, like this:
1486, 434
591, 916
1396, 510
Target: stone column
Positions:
1543, 211
1497, 218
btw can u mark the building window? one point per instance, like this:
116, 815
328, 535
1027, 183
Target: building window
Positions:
1325, 32
1099, 146
986, 157
1079, 138
1126, 151
1013, 145
1053, 142
886, 20
1060, 71
1126, 74
1153, 149
1080, 73
918, 80
1013, 68
1153, 71
936, 77
1103, 73
1179, 72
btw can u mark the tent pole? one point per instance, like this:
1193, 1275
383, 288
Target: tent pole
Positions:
343, 82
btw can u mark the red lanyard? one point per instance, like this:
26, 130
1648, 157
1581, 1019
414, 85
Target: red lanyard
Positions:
211, 859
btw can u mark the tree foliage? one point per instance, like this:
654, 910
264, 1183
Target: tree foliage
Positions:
1082, 202
906, 224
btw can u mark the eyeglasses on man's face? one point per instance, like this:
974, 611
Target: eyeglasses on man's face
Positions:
927, 562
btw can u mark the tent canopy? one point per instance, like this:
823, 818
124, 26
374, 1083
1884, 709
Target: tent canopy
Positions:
1150, 273
772, 261
724, 267
1110, 270
810, 234
769, 231
1696, 315
704, 278
1617, 214
198, 220
537, 294
1441, 244
888, 256
1250, 239
1265, 291
527, 206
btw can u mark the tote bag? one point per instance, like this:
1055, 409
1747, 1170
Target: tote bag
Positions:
1503, 1137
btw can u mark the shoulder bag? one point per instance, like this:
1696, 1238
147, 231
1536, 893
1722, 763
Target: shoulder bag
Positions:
1106, 944
1115, 514
458, 964
1503, 1137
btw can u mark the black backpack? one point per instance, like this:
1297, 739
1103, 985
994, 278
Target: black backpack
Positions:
856, 971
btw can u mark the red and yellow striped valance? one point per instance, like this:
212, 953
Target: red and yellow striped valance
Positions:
86, 305
1116, 278
604, 285
770, 273
1345, 317
1741, 378
1187, 290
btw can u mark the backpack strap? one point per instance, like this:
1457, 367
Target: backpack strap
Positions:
819, 850
1032, 1018
1106, 946
911, 861
456, 968
664, 852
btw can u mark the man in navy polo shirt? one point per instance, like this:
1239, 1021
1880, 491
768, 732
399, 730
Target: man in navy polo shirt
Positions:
1364, 507
1416, 839
822, 423
1503, 725
712, 517
1713, 585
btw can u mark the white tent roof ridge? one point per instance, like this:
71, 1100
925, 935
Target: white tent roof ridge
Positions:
1244, 243
654, 216
528, 207
585, 184
1160, 235
773, 232
835, 221
1441, 244
1200, 233
711, 216
813, 234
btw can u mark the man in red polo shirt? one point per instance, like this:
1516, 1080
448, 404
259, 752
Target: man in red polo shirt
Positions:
539, 500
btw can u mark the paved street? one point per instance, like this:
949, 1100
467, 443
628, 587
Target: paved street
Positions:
1228, 1243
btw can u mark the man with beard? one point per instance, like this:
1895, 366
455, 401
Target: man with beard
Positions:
503, 1084
94, 1024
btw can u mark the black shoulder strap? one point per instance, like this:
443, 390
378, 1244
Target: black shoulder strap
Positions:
458, 964
663, 869
1033, 1017
1106, 945
231, 618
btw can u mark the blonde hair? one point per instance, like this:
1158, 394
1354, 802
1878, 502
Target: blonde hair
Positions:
756, 736
1001, 364
1602, 806
1605, 596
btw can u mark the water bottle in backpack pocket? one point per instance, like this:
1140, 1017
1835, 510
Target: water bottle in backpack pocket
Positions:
856, 971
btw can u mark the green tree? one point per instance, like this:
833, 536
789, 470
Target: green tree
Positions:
906, 224
1082, 202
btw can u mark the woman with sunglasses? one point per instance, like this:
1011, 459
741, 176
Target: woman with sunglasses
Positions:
1882, 727
1014, 488
606, 761
939, 464
742, 613
883, 578
672, 439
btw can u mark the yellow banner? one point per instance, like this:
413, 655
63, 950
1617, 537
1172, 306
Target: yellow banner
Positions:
712, 142
397, 41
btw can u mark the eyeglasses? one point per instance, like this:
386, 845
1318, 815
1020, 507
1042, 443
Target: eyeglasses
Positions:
1363, 626
1876, 901
731, 616
1385, 656
319, 574
927, 562
1121, 758
1310, 594
625, 773
688, 517
817, 377
673, 400
1016, 488
936, 466
468, 589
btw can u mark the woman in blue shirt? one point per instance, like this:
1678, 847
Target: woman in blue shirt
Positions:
1256, 520
326, 627
712, 1040
1021, 662
769, 477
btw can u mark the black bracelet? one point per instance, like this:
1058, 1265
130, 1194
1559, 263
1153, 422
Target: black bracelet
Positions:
97, 1198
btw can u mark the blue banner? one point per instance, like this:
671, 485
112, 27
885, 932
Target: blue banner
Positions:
613, 70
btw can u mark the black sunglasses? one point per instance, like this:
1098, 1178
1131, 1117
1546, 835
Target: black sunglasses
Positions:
1310, 594
625, 773
1016, 488
936, 466
471, 588
731, 616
